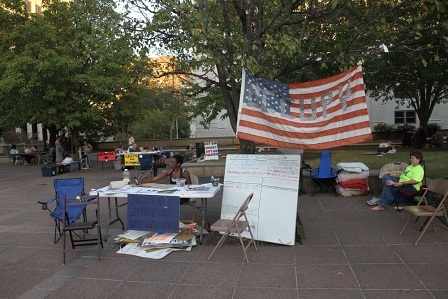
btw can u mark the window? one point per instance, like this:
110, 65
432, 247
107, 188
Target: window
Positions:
405, 117
38, 11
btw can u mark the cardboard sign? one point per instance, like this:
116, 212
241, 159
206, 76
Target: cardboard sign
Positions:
211, 150
106, 156
131, 160
154, 213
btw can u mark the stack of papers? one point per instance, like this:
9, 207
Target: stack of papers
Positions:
156, 246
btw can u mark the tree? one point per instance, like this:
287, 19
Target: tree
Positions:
71, 66
414, 71
281, 40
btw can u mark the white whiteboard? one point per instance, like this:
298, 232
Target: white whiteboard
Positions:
274, 180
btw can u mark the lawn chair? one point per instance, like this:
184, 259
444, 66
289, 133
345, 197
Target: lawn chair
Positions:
324, 176
64, 187
145, 169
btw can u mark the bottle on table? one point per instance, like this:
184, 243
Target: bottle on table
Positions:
126, 176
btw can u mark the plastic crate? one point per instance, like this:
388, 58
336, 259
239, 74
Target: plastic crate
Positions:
48, 171
60, 169
66, 168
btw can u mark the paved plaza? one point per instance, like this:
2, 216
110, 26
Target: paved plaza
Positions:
349, 252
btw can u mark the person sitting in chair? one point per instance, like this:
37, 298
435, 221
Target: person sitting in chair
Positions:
33, 152
409, 180
175, 172
134, 148
13, 152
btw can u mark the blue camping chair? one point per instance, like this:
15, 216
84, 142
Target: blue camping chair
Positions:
145, 169
324, 176
64, 188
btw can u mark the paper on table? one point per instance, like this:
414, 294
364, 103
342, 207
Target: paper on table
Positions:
157, 186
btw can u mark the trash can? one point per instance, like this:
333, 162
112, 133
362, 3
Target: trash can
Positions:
200, 149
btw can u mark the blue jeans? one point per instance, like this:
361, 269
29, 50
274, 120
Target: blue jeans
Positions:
391, 191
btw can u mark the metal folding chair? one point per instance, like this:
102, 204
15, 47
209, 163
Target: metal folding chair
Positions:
235, 226
438, 189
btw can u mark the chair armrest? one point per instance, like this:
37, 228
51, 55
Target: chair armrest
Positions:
314, 170
46, 203
335, 172
87, 197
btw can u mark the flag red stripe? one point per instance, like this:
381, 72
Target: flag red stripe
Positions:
315, 146
283, 121
320, 133
330, 110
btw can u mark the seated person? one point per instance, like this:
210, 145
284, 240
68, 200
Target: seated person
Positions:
437, 139
33, 152
26, 150
134, 148
13, 152
419, 137
409, 180
175, 172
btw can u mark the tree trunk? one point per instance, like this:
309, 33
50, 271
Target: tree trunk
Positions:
53, 131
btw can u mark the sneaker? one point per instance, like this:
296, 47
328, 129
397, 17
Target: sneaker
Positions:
398, 208
373, 202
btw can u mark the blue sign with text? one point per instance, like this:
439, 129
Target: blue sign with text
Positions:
154, 213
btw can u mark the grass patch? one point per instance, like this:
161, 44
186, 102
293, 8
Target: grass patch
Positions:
436, 166
435, 158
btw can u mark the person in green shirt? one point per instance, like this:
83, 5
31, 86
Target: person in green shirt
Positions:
409, 180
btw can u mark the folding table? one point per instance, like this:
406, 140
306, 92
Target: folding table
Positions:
203, 195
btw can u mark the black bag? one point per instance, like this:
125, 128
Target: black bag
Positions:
161, 162
300, 231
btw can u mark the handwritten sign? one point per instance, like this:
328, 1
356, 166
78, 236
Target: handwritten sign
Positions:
155, 213
211, 150
131, 160
106, 156
274, 180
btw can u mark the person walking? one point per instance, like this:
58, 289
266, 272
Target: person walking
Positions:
131, 140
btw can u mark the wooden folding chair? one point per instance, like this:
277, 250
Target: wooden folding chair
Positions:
235, 226
437, 189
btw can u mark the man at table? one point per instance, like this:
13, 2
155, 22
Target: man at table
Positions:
175, 172
134, 148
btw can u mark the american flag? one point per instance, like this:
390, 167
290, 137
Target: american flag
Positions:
319, 114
